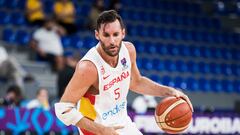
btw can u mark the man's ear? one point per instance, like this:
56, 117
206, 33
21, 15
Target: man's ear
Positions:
123, 33
96, 35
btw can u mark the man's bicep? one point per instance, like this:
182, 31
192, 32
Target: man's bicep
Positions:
135, 76
84, 76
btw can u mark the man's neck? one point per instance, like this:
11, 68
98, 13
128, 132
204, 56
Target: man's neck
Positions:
112, 61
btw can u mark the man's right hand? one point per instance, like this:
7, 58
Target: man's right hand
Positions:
110, 130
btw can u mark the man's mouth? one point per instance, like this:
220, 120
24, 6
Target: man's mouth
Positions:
113, 48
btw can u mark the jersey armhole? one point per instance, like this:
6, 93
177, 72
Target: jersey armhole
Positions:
98, 70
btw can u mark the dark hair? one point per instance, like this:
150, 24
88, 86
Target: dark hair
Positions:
108, 17
15, 89
18, 93
49, 19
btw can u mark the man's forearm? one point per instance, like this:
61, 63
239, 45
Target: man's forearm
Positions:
149, 87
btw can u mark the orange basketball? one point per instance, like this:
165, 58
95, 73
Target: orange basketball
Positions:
173, 115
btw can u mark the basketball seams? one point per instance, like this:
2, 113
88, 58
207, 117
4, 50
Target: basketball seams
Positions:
160, 119
180, 114
162, 116
175, 118
165, 126
167, 102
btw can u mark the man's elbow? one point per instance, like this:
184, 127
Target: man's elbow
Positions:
135, 83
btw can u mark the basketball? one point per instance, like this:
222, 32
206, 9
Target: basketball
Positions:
173, 115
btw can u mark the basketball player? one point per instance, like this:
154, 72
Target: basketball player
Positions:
95, 98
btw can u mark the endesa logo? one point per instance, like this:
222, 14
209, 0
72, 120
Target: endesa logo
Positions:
118, 79
114, 110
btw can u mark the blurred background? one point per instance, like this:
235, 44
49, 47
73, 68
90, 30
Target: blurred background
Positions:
193, 46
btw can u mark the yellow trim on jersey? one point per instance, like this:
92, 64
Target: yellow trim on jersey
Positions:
87, 109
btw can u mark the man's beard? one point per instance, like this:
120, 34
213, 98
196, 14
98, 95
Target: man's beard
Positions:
108, 51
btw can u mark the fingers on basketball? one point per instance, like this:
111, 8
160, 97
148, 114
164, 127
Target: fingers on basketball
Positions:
185, 97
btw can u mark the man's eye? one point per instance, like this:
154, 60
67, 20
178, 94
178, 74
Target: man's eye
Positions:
115, 35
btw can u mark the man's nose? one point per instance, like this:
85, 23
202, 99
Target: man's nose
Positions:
112, 40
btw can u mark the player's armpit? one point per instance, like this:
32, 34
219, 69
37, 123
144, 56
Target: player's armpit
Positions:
84, 76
